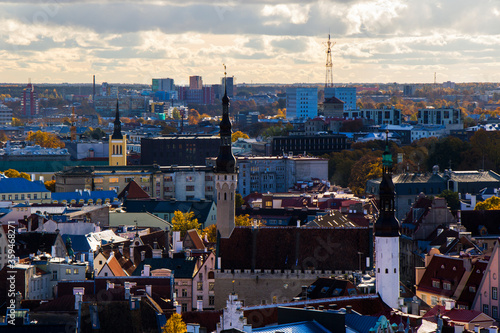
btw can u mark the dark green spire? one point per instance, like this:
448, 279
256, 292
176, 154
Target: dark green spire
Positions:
117, 132
225, 163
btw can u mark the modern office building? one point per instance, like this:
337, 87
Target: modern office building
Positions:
313, 144
162, 85
5, 115
195, 82
301, 103
179, 149
29, 102
384, 116
345, 94
451, 118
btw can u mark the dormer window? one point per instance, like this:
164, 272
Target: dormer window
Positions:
436, 284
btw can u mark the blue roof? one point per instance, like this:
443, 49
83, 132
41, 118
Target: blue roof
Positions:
300, 327
85, 195
20, 185
360, 323
79, 243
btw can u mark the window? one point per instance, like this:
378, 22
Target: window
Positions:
211, 286
184, 293
184, 307
494, 311
144, 179
128, 179
189, 187
98, 180
211, 300
472, 289
494, 292
199, 297
199, 286
486, 309
68, 271
434, 300
35, 196
75, 271
54, 275
446, 285
436, 284
114, 179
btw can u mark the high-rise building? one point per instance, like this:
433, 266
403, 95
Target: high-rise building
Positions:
117, 143
301, 103
104, 89
195, 82
226, 175
162, 85
228, 82
5, 115
345, 94
387, 237
29, 103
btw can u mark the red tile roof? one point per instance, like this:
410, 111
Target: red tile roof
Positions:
133, 191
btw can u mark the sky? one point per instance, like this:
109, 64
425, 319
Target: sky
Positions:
260, 41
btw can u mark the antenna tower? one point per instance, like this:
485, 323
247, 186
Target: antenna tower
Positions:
329, 63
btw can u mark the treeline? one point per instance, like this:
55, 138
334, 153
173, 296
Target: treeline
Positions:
353, 168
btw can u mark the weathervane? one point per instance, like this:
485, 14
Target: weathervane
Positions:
224, 69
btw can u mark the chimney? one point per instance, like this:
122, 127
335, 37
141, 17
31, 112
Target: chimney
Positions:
109, 285
127, 292
178, 309
157, 253
459, 328
149, 290
199, 306
476, 328
143, 255
78, 300
449, 304
298, 223
146, 271
120, 247
82, 257
131, 249
493, 329
187, 253
170, 254
332, 306
91, 259
193, 328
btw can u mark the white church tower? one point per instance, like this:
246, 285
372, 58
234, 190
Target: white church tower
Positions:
387, 237
226, 176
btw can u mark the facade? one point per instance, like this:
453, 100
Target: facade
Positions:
204, 284
195, 82
387, 238
487, 299
228, 82
301, 103
29, 102
427, 131
5, 115
384, 116
451, 118
181, 183
333, 108
277, 174
179, 149
20, 190
162, 85
313, 144
345, 94
117, 143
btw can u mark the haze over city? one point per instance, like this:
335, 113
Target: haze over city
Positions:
264, 41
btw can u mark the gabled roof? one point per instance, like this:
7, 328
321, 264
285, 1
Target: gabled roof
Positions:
133, 191
442, 268
457, 315
193, 236
114, 267
333, 219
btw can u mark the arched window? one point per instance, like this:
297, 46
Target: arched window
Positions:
211, 275
225, 195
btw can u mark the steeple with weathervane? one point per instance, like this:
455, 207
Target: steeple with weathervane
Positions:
387, 236
226, 176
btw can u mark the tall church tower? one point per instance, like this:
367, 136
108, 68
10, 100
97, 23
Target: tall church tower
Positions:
387, 237
226, 176
117, 143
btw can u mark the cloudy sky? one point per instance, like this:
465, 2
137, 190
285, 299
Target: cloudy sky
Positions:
260, 41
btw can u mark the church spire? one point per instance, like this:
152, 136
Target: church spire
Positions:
387, 225
226, 163
117, 133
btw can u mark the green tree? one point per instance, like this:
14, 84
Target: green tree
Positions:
452, 199
238, 201
185, 221
492, 203
368, 167
95, 133
174, 324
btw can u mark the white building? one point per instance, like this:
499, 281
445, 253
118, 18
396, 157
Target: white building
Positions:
301, 102
345, 94
5, 115
451, 118
384, 116
420, 132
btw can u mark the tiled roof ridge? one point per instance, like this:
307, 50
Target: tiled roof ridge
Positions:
314, 301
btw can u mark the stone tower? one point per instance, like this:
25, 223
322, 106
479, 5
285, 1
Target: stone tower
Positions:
117, 143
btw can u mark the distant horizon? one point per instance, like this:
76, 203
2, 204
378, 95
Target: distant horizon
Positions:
268, 41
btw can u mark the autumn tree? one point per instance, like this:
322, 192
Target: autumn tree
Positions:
12, 173
211, 233
242, 220
238, 134
184, 221
50, 185
3, 136
492, 203
17, 122
174, 324
44, 139
368, 167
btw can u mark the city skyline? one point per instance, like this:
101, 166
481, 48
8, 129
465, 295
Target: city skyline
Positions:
265, 41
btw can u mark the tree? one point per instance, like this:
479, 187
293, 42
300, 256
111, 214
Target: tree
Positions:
242, 221
238, 134
3, 136
96, 133
44, 139
17, 122
452, 199
211, 232
492, 203
50, 185
238, 201
174, 324
12, 173
184, 221
368, 167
